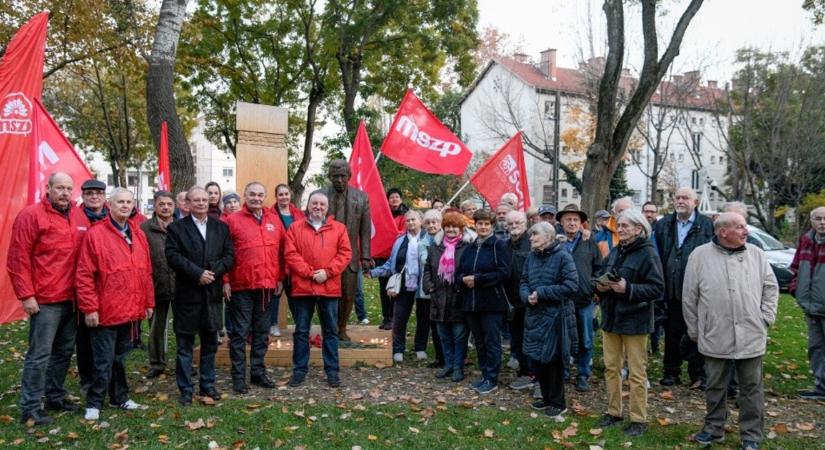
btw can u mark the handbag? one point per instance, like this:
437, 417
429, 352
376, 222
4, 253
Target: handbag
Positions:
394, 283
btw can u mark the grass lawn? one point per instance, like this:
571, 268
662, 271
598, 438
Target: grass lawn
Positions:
346, 420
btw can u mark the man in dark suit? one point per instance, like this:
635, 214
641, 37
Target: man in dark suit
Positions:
199, 249
351, 207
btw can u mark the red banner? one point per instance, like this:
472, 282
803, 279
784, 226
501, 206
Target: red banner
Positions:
417, 139
365, 177
21, 78
164, 173
52, 152
503, 173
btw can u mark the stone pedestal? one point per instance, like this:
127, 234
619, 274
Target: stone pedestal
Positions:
261, 155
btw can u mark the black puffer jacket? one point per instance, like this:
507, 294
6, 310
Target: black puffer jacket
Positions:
632, 311
446, 302
520, 249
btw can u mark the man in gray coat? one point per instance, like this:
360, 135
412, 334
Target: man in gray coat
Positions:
351, 207
729, 299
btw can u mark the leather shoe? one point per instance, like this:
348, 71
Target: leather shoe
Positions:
154, 372
669, 380
333, 380
262, 381
240, 387
63, 405
443, 373
185, 399
38, 416
211, 393
296, 380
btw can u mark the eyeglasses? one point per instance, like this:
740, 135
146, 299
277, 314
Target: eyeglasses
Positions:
93, 193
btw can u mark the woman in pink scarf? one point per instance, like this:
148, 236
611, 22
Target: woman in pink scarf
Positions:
446, 308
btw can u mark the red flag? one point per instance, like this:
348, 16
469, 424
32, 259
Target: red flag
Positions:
21, 78
164, 174
52, 152
419, 140
365, 177
503, 173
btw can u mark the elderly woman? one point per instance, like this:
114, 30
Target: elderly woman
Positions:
483, 269
440, 282
548, 280
423, 325
631, 283
404, 260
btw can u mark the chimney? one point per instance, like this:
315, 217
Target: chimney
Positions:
521, 57
712, 84
693, 77
548, 63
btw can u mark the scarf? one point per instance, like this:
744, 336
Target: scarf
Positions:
446, 265
93, 216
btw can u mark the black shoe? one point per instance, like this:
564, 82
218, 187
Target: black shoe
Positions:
635, 429
385, 326
608, 420
539, 405
262, 381
669, 380
555, 413
436, 365
333, 381
63, 405
154, 372
458, 375
444, 372
296, 380
582, 385
211, 393
185, 399
37, 416
240, 387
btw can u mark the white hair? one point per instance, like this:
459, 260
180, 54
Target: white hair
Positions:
432, 214
543, 228
627, 200
119, 190
636, 218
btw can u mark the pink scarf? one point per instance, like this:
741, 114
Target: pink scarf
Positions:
446, 265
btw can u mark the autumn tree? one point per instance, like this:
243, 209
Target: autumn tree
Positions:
615, 123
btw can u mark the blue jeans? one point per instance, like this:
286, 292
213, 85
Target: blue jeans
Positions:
110, 345
185, 357
273, 310
51, 342
486, 329
453, 343
360, 311
302, 310
249, 314
584, 354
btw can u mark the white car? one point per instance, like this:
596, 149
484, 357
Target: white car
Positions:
779, 255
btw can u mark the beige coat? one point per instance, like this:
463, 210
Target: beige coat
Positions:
729, 300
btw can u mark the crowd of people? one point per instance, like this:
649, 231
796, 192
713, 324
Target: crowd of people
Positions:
543, 280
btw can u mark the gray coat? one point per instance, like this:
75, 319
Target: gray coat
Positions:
163, 276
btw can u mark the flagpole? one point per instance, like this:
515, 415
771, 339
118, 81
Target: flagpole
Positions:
450, 201
377, 157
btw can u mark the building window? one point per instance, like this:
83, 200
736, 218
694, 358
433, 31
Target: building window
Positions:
721, 160
228, 171
549, 108
712, 196
547, 194
702, 121
713, 160
681, 157
575, 193
564, 192
697, 143
110, 180
132, 179
693, 120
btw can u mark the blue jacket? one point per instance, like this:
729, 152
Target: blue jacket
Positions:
489, 262
394, 265
551, 273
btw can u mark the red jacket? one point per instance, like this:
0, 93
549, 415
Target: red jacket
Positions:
43, 252
259, 250
114, 278
297, 214
308, 250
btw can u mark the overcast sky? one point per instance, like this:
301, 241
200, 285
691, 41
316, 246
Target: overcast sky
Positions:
718, 30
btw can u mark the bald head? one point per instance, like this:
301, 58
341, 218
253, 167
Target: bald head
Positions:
731, 230
621, 205
818, 221
59, 188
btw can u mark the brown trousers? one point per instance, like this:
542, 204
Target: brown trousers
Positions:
349, 284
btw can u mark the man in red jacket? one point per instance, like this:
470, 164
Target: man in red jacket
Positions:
317, 251
114, 291
250, 285
42, 255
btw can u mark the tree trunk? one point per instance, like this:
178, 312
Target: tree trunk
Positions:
160, 93
654, 189
316, 95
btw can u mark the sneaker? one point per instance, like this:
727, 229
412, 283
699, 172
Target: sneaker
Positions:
635, 429
92, 414
275, 331
539, 405
706, 438
513, 363
607, 420
537, 392
366, 321
443, 373
421, 356
811, 395
398, 357
522, 383
37, 416
296, 380
458, 375
669, 380
486, 387
624, 374
130, 405
478, 383
582, 385
555, 413
750, 445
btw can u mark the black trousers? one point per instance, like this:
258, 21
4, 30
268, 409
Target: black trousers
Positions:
423, 327
85, 363
110, 345
387, 304
249, 314
678, 347
525, 364
551, 381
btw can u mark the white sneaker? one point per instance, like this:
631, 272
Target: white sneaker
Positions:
366, 321
92, 414
398, 357
624, 374
513, 363
275, 331
421, 356
131, 405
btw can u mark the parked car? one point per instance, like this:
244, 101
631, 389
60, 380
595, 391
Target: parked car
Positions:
779, 255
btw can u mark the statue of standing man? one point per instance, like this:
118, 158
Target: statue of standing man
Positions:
351, 207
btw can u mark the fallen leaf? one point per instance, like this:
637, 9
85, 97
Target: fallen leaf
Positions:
207, 400
299, 414
663, 421
780, 428
162, 397
72, 435
414, 430
488, 433
627, 444
372, 437
439, 399
237, 445
666, 395
141, 389
356, 396
122, 435
6, 419
596, 447
379, 365
570, 431
197, 425
804, 426
163, 439
452, 430
596, 431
